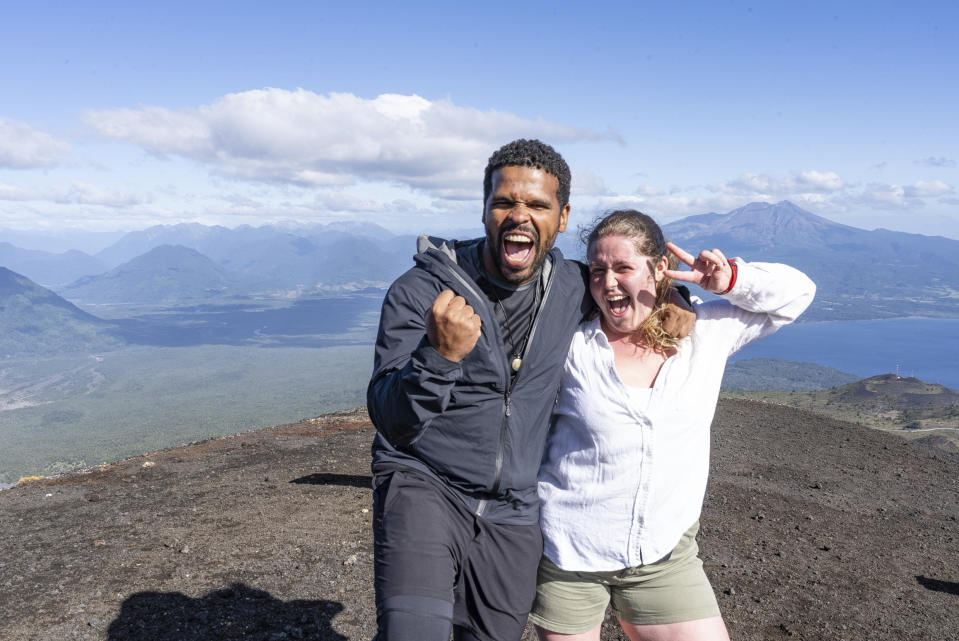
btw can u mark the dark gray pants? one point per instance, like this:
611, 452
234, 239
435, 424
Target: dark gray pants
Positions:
438, 565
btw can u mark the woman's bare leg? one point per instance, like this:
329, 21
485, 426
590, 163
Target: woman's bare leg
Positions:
589, 635
710, 629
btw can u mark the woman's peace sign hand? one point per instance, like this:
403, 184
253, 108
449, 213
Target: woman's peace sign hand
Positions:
710, 270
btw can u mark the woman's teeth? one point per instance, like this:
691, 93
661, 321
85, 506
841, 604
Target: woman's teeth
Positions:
618, 303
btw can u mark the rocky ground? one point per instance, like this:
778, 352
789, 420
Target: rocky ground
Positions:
813, 529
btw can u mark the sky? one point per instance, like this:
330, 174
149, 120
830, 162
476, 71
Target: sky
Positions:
119, 116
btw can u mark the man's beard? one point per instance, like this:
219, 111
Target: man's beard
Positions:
540, 252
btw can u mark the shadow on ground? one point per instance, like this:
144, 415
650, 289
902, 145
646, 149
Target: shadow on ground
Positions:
949, 587
326, 478
236, 612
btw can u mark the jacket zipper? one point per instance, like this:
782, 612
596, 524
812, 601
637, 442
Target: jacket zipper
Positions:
508, 384
498, 466
507, 397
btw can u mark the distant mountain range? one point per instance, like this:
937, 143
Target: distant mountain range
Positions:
50, 269
860, 274
297, 259
777, 374
164, 274
61, 239
302, 260
886, 401
35, 321
888, 391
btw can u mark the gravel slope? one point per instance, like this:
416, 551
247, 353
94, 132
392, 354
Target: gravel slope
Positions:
813, 529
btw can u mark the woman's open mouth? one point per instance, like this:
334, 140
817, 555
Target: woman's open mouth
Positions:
617, 304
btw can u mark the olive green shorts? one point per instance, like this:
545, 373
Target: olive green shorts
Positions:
669, 591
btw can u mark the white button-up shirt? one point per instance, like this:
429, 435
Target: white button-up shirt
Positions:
625, 470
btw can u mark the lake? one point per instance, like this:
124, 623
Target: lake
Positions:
922, 347
224, 370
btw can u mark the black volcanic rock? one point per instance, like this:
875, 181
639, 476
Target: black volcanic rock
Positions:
35, 321
266, 535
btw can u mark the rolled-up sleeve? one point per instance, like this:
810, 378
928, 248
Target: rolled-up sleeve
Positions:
766, 296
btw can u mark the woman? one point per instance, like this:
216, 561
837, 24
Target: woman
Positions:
625, 470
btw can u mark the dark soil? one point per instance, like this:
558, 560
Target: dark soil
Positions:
813, 529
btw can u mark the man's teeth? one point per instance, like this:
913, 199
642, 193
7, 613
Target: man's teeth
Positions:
517, 238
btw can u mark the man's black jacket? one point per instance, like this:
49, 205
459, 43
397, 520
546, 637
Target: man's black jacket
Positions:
465, 423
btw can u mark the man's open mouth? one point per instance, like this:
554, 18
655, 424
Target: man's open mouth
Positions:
517, 248
617, 304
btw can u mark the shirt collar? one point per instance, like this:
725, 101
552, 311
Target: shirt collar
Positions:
593, 331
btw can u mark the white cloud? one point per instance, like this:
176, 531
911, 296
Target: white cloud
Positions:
23, 147
679, 204
892, 196
82, 193
342, 202
587, 183
77, 193
664, 207
304, 138
882, 196
925, 188
767, 187
620, 201
936, 161
14, 192
820, 191
818, 181
752, 183
648, 190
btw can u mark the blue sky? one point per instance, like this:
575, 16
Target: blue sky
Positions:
120, 116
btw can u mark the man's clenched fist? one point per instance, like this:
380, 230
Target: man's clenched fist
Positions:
452, 326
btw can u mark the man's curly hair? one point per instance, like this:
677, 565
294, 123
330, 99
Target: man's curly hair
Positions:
529, 153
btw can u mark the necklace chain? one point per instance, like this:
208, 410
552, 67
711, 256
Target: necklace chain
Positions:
519, 351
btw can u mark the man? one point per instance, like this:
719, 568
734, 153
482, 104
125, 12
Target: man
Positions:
469, 355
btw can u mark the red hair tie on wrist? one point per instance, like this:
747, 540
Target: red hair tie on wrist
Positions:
732, 281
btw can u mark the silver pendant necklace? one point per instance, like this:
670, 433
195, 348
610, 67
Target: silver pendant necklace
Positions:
517, 361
